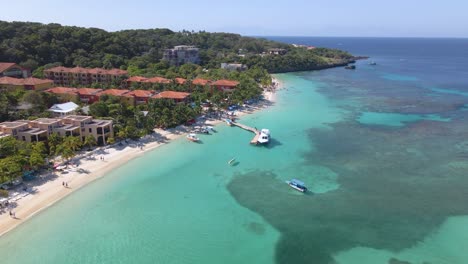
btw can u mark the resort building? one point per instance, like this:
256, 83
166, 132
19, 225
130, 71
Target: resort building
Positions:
74, 125
120, 93
140, 96
277, 51
101, 130
88, 95
159, 80
135, 79
177, 97
10, 69
84, 76
64, 94
181, 54
200, 82
225, 85
64, 109
21, 130
29, 83
234, 66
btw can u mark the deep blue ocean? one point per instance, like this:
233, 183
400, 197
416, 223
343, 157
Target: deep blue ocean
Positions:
383, 150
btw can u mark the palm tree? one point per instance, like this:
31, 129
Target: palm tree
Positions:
90, 141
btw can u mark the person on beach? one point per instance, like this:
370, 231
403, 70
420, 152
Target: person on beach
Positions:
63, 184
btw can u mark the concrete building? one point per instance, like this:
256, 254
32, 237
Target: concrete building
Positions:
234, 66
10, 69
22, 131
84, 76
73, 125
182, 54
101, 130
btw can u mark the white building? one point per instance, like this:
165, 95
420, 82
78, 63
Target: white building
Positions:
64, 109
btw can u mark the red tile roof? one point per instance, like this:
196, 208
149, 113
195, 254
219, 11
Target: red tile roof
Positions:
158, 80
137, 79
62, 90
6, 65
27, 81
88, 91
10, 80
114, 92
180, 80
227, 83
140, 93
171, 95
36, 81
200, 81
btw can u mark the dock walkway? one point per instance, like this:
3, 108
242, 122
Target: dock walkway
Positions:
251, 129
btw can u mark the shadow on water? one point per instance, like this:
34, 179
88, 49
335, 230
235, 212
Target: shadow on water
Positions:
397, 187
273, 143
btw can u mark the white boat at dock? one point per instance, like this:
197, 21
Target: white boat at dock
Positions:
264, 136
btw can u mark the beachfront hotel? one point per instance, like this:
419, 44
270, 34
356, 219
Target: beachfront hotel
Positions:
84, 76
73, 125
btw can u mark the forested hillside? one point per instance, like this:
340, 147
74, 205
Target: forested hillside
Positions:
34, 44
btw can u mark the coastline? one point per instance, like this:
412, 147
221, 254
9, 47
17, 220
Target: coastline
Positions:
46, 191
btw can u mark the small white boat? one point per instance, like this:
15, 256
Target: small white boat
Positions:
264, 136
232, 161
297, 185
192, 137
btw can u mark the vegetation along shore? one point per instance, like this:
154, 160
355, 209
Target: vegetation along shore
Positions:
71, 97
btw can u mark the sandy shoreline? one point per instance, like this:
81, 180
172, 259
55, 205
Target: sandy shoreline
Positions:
49, 189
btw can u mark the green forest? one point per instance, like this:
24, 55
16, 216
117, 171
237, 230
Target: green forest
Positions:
35, 45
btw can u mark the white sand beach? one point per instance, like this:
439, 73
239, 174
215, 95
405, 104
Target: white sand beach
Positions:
89, 166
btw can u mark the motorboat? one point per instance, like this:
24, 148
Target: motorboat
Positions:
264, 136
297, 185
350, 67
192, 137
372, 63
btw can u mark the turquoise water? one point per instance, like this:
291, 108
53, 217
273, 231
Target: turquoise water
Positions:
172, 205
396, 119
386, 186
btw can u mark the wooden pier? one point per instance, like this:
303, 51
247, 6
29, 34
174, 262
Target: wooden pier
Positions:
251, 129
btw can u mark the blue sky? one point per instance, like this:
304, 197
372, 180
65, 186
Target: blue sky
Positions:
366, 18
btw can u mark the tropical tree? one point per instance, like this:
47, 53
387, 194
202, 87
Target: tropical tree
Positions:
38, 155
54, 141
90, 141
